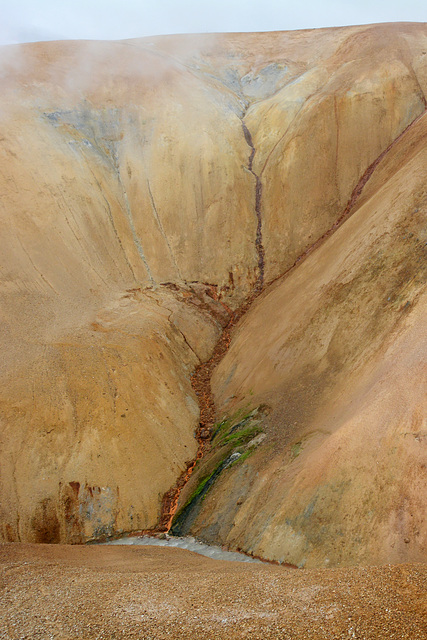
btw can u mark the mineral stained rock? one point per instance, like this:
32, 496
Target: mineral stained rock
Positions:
149, 188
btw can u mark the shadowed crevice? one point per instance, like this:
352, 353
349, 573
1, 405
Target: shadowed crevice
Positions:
258, 210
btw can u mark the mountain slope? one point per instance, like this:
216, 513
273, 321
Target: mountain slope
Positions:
151, 187
337, 351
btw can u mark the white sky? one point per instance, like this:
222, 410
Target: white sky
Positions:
32, 20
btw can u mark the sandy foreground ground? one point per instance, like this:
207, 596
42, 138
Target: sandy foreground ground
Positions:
70, 592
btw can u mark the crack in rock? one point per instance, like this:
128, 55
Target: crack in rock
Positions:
258, 202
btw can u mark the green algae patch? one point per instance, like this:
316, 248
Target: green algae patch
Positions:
242, 437
228, 424
204, 484
242, 425
296, 449
186, 516
243, 456
234, 439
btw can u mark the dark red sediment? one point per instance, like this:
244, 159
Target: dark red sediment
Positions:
201, 383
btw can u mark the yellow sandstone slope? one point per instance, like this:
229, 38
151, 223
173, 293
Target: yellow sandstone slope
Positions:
150, 186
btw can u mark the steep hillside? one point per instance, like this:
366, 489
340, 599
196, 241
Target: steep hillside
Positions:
153, 188
336, 352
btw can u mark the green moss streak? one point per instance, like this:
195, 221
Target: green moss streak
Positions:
238, 438
296, 449
243, 457
230, 436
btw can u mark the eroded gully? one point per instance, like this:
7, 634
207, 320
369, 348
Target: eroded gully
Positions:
201, 377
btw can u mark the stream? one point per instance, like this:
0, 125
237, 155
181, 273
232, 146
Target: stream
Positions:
188, 543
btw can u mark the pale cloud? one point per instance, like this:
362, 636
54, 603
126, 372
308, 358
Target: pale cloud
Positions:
27, 20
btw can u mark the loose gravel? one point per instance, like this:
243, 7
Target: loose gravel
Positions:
151, 593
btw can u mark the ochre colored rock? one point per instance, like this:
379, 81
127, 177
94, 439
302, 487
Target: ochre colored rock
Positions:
150, 186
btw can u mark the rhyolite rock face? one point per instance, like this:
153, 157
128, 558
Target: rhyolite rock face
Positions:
149, 186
